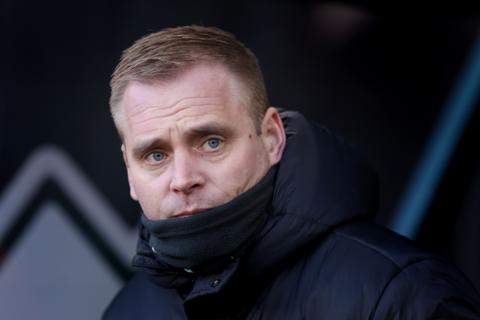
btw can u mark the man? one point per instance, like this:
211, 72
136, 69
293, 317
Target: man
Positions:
252, 213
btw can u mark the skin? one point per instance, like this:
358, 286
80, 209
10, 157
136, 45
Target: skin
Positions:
190, 144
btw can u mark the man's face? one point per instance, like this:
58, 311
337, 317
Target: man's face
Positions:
190, 144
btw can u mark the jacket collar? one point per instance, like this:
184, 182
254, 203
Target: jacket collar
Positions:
321, 183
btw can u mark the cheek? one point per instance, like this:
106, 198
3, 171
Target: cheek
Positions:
245, 169
148, 191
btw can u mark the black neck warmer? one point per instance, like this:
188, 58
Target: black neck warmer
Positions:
207, 240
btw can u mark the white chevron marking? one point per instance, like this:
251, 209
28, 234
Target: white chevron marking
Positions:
50, 162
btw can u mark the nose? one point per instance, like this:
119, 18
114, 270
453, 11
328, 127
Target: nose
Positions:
186, 176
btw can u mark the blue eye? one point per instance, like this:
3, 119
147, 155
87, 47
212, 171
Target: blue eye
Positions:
157, 156
213, 143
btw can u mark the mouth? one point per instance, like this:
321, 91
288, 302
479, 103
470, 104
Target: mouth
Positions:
188, 213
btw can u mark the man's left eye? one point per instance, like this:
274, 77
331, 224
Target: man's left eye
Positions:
213, 143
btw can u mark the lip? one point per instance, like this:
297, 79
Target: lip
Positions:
188, 213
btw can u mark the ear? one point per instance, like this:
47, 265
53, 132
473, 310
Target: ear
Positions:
133, 194
273, 135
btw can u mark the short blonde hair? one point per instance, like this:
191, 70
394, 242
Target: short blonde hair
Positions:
162, 55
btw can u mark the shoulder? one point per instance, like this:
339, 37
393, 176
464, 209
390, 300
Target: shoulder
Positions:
140, 298
391, 275
381, 244
368, 251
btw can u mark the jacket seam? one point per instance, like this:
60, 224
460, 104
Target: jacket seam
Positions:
400, 269
369, 246
394, 276
299, 217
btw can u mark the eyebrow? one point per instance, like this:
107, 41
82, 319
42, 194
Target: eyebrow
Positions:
211, 128
191, 134
142, 147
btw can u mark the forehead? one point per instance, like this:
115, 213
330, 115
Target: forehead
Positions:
198, 94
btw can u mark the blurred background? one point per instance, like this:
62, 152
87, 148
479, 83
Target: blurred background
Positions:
401, 82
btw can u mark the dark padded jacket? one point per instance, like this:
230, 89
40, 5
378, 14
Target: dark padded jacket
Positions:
317, 257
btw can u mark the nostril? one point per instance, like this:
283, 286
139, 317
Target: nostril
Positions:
193, 188
186, 188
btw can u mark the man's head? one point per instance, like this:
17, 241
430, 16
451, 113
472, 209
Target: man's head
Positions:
161, 56
196, 134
